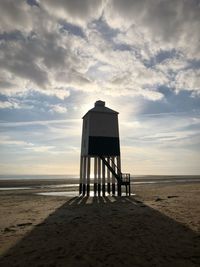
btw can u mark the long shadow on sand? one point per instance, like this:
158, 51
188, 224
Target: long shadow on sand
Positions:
106, 231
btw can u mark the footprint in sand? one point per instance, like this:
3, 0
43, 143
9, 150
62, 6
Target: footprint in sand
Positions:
7, 230
24, 224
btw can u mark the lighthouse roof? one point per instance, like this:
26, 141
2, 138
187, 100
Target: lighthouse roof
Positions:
99, 106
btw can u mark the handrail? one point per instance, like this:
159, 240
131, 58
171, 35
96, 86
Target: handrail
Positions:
119, 171
126, 177
121, 177
118, 177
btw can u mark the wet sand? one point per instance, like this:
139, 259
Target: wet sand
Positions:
157, 227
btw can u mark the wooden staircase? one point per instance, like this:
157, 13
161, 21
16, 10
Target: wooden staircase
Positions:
123, 179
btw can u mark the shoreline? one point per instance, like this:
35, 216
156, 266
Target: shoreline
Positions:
68, 180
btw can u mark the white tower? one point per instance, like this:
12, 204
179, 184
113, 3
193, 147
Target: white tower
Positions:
101, 146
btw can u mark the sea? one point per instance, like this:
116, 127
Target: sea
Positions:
53, 184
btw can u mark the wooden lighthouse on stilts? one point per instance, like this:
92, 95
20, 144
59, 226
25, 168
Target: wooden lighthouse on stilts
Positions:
100, 153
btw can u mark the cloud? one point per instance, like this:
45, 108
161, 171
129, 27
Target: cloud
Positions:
74, 11
40, 148
52, 61
165, 23
8, 104
183, 133
42, 122
94, 52
189, 80
60, 93
7, 140
58, 109
164, 35
15, 15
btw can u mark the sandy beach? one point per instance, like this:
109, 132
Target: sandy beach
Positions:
159, 226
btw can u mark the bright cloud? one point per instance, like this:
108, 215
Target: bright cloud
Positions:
58, 109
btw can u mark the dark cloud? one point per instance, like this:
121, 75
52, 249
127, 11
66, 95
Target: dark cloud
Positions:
15, 14
31, 57
164, 18
46, 48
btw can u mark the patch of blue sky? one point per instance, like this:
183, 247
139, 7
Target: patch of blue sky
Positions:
41, 102
193, 64
43, 142
109, 34
12, 36
39, 97
189, 142
123, 47
3, 97
192, 127
71, 28
173, 102
160, 57
33, 2
32, 106
104, 29
17, 115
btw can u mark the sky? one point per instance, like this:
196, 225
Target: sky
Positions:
142, 57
